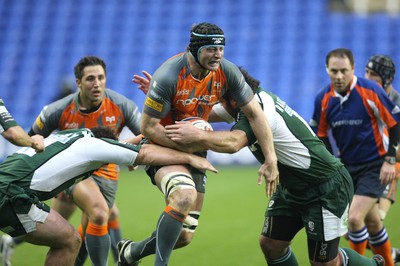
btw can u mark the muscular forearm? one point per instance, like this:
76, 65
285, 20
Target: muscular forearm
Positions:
156, 134
151, 154
17, 136
264, 136
223, 141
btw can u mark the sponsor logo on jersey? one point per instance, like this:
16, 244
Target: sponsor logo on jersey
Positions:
153, 104
202, 99
39, 122
71, 125
182, 92
353, 122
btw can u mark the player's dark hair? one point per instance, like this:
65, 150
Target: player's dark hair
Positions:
340, 52
88, 61
103, 132
383, 66
253, 83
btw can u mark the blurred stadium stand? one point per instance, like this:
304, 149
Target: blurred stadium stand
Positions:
281, 42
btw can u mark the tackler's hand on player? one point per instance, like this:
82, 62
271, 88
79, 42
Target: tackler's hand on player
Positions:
38, 143
182, 132
201, 163
269, 171
143, 82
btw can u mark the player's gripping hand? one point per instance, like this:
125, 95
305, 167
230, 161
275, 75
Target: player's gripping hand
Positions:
270, 172
38, 143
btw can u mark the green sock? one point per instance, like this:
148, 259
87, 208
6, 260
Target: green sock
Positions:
352, 258
289, 259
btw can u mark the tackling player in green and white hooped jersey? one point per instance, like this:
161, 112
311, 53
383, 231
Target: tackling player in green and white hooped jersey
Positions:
27, 178
315, 189
303, 160
69, 156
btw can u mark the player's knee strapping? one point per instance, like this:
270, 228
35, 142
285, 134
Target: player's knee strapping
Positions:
191, 222
176, 181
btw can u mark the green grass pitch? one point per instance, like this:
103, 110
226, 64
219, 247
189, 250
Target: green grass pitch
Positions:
229, 227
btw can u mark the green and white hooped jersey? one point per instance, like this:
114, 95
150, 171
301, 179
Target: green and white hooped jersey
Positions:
303, 160
69, 157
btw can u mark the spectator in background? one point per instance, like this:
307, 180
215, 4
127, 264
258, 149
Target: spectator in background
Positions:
381, 69
357, 110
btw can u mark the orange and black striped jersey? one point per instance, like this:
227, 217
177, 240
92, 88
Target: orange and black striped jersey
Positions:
175, 94
115, 112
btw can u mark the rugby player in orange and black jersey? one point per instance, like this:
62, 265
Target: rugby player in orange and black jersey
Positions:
188, 85
115, 112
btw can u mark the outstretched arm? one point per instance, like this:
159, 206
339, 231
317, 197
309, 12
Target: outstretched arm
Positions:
151, 154
218, 141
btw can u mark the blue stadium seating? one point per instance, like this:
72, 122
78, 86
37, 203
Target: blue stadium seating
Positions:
281, 42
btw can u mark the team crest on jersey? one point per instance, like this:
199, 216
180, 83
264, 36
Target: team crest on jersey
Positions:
218, 85
110, 119
311, 226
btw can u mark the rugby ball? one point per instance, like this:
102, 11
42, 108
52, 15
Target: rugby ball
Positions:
199, 123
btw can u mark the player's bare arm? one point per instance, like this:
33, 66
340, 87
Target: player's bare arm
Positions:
263, 133
218, 141
152, 129
151, 154
17, 136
